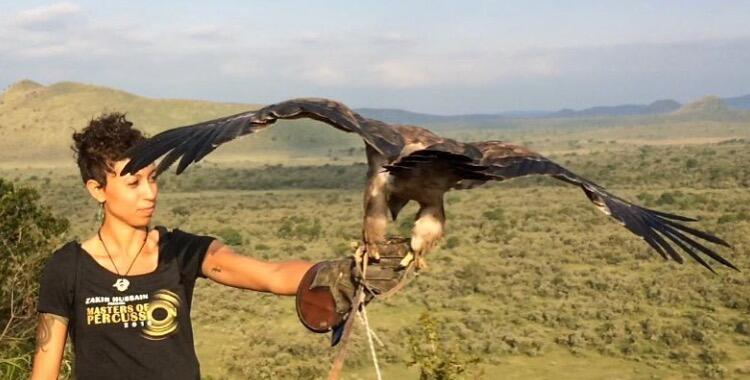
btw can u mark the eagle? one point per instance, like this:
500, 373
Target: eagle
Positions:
410, 163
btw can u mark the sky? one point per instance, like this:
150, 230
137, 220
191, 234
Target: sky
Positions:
426, 56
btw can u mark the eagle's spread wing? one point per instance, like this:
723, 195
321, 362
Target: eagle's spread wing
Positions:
193, 142
500, 161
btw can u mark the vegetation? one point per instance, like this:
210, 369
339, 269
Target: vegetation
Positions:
436, 359
528, 269
28, 232
531, 281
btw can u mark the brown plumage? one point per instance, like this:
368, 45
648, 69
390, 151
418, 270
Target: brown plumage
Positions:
408, 163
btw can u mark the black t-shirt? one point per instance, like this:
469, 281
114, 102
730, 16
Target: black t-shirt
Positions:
143, 332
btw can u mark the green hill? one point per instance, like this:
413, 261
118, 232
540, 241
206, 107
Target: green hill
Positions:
37, 123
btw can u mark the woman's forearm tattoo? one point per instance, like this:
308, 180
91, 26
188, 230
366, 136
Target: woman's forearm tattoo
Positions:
44, 331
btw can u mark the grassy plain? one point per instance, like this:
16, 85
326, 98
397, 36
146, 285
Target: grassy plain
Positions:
530, 280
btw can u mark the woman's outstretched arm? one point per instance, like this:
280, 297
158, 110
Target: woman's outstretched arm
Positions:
225, 266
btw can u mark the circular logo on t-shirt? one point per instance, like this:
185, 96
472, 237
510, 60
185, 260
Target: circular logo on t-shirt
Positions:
162, 315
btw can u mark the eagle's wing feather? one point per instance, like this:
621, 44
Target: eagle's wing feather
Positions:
500, 161
191, 143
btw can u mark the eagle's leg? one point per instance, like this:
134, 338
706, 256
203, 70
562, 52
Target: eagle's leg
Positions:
427, 231
376, 214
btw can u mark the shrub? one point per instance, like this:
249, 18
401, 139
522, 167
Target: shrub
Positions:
262, 247
665, 199
743, 327
452, 242
496, 215
296, 227
181, 211
230, 236
436, 360
28, 233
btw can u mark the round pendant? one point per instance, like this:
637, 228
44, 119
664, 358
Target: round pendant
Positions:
121, 284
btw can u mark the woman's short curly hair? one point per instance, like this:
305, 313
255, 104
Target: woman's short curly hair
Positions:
103, 142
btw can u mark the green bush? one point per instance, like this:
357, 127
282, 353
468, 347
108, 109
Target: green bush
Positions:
181, 211
436, 359
230, 236
296, 227
28, 233
666, 198
496, 215
262, 247
452, 242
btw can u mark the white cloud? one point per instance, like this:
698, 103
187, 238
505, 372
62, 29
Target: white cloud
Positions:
399, 73
362, 58
44, 51
64, 42
45, 15
211, 33
541, 67
325, 75
240, 68
309, 37
391, 38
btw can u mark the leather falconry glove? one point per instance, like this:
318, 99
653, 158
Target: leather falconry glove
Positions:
327, 291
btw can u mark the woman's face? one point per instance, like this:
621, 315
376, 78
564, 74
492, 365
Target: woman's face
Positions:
131, 198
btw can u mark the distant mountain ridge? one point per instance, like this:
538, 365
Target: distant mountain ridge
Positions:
659, 107
739, 102
655, 108
396, 115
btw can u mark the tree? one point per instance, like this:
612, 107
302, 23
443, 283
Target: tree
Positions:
28, 233
436, 360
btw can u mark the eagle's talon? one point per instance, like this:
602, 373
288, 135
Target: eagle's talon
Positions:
373, 252
406, 260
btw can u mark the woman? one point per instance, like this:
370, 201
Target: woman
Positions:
124, 294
